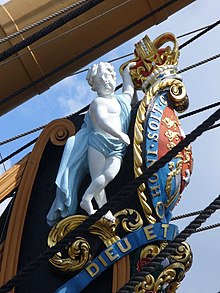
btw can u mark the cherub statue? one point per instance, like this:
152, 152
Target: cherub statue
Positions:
99, 146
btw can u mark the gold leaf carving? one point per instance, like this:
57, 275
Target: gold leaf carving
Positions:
131, 220
78, 251
106, 231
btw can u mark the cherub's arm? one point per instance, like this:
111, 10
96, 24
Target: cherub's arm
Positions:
100, 111
128, 86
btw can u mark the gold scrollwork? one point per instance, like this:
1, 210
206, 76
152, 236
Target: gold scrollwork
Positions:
152, 250
160, 209
149, 251
146, 285
177, 91
132, 220
171, 276
179, 97
137, 73
172, 273
173, 172
78, 252
106, 231
183, 254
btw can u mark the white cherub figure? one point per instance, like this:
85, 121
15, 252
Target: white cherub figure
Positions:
98, 146
106, 150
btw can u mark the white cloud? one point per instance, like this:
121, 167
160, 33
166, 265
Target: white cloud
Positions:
77, 94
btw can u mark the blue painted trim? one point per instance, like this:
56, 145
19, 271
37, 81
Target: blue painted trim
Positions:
116, 251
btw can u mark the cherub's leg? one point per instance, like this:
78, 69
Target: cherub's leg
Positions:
110, 169
96, 161
100, 198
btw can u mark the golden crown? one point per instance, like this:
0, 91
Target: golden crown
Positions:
153, 62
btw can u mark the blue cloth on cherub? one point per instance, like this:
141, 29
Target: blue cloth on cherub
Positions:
74, 164
107, 146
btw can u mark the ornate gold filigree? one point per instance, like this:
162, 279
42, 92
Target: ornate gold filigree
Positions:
177, 92
183, 254
149, 251
168, 279
136, 74
146, 285
172, 273
138, 140
173, 172
132, 220
160, 209
79, 256
154, 63
171, 276
106, 231
152, 250
78, 251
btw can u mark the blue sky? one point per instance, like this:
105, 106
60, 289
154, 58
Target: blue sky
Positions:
201, 83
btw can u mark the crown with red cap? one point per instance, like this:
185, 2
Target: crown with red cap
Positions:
154, 62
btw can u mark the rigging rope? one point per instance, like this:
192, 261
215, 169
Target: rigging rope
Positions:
130, 54
82, 110
171, 247
48, 29
18, 151
86, 52
210, 27
194, 31
41, 127
199, 63
4, 168
119, 86
42, 21
123, 196
191, 214
65, 19
208, 107
65, 33
206, 228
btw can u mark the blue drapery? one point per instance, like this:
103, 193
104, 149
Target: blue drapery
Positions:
74, 164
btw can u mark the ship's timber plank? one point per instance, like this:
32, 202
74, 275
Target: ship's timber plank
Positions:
12, 178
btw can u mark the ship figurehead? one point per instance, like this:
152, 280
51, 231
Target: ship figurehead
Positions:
139, 233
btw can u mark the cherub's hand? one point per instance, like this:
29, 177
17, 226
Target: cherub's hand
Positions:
127, 68
124, 138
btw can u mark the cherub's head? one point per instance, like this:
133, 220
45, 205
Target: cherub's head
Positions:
102, 78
